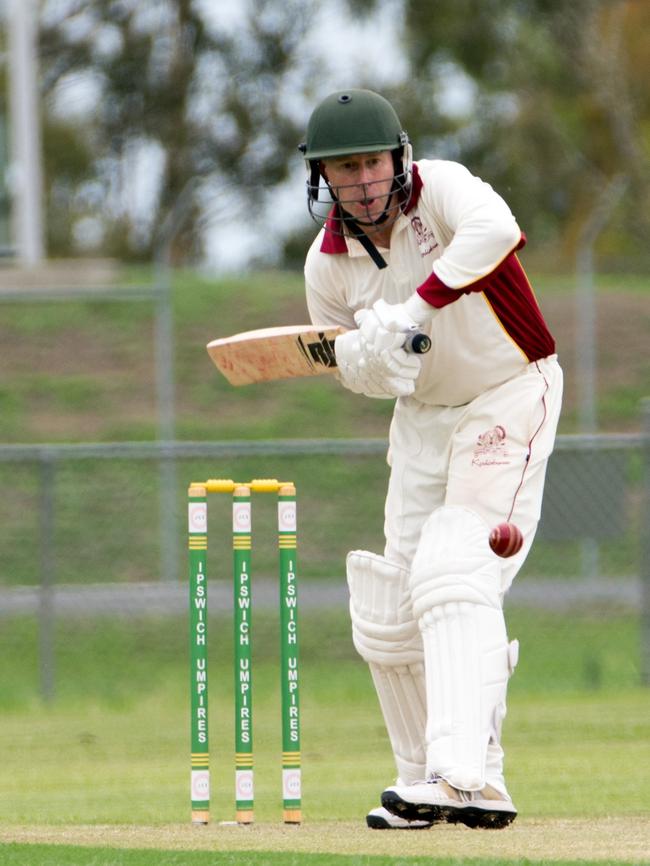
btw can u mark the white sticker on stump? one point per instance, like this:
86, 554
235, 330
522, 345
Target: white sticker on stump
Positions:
287, 516
200, 784
197, 514
291, 784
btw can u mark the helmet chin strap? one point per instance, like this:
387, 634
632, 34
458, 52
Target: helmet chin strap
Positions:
355, 227
357, 232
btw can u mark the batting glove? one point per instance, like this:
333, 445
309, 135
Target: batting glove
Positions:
363, 371
384, 326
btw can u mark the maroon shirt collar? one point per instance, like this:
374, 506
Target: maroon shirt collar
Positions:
416, 189
335, 243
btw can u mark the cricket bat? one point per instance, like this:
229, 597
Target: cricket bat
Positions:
286, 352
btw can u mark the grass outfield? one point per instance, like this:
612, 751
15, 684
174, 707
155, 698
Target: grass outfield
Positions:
570, 756
102, 775
116, 661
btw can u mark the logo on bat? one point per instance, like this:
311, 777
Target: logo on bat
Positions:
320, 353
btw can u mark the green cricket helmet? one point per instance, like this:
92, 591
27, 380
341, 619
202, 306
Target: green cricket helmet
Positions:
352, 121
348, 122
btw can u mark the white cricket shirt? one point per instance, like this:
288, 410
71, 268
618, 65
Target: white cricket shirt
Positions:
456, 245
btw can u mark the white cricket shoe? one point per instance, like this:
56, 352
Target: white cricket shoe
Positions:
382, 819
435, 800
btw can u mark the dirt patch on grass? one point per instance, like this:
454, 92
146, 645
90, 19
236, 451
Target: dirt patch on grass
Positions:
624, 839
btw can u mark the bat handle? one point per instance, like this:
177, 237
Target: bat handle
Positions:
418, 343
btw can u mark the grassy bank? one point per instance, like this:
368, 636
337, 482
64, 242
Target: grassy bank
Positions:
84, 370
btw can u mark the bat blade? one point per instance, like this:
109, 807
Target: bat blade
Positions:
276, 353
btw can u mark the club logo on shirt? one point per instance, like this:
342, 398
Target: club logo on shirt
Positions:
491, 448
424, 236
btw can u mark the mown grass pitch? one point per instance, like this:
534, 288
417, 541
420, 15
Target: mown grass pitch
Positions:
529, 841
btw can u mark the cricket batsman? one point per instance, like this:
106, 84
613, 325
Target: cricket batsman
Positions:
426, 245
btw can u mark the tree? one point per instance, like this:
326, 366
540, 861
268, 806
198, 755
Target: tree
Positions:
560, 102
205, 104
546, 99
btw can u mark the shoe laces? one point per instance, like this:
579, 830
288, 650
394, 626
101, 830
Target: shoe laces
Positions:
433, 779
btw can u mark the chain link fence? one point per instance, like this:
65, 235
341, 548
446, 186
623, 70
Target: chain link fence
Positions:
84, 531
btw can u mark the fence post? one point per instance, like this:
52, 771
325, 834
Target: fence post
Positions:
645, 544
165, 378
165, 388
46, 611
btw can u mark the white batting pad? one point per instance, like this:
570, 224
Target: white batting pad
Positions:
386, 635
402, 697
494, 759
384, 629
455, 582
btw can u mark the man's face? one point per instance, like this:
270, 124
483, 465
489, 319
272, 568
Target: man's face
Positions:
362, 182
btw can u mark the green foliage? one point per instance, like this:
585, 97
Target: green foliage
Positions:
556, 109
163, 80
68, 160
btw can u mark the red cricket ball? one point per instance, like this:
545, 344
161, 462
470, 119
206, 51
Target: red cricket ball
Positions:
506, 539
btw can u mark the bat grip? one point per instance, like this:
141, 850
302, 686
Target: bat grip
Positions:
418, 343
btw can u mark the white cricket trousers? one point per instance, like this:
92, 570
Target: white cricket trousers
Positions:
489, 455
